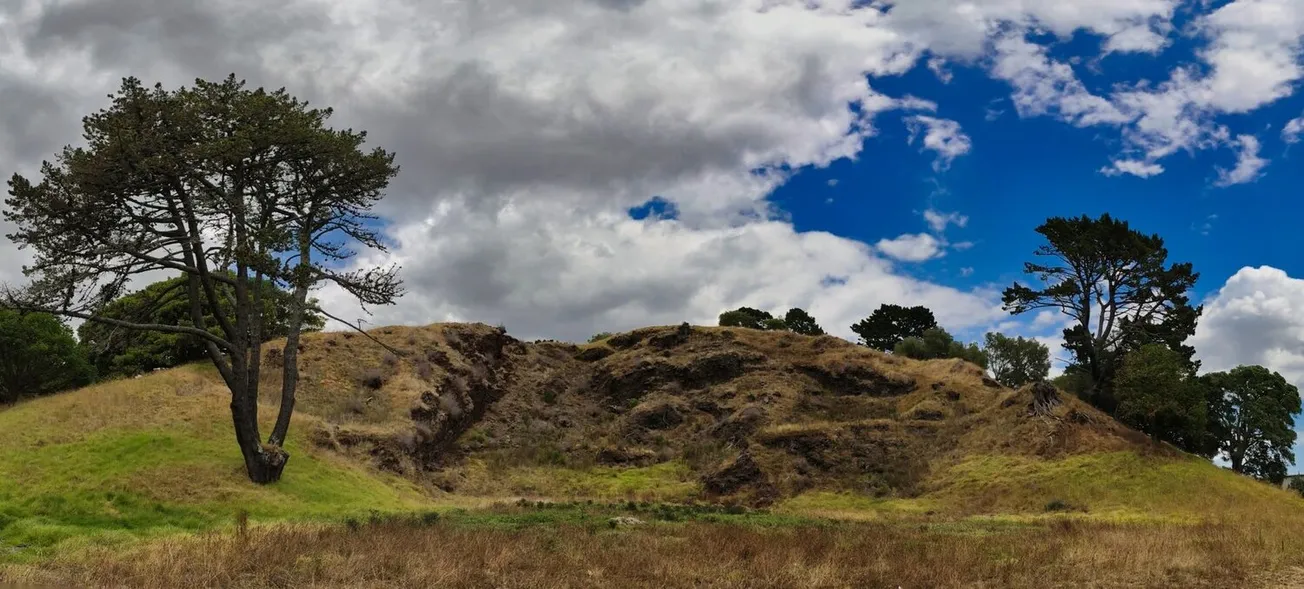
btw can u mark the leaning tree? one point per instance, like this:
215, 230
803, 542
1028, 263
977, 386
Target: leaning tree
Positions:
231, 188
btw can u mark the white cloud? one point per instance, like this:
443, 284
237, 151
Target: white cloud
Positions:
1249, 166
912, 247
966, 272
832, 182
1043, 86
1292, 131
942, 136
1257, 317
938, 221
938, 66
1134, 167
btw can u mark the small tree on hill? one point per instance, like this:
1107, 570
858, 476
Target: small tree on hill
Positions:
1158, 395
799, 321
1017, 361
38, 356
233, 189
125, 352
935, 344
1252, 419
890, 324
1115, 283
752, 319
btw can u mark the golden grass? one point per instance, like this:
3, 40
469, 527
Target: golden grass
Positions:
1063, 554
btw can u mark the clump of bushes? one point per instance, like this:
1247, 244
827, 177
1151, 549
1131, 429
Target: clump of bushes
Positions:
374, 378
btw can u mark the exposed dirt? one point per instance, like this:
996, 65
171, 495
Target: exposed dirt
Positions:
756, 415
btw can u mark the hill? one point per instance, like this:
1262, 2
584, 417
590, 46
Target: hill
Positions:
813, 424
946, 477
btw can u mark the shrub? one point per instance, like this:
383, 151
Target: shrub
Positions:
597, 337
373, 378
1058, 505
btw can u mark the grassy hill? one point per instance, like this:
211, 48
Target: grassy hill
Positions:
776, 430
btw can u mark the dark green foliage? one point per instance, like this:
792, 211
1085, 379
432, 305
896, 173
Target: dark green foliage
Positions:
597, 337
891, 324
752, 319
1114, 282
117, 351
1074, 381
1252, 420
1297, 485
1158, 395
935, 344
38, 356
799, 321
745, 317
1016, 361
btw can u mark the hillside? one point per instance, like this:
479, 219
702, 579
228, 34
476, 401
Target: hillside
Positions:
464, 415
734, 415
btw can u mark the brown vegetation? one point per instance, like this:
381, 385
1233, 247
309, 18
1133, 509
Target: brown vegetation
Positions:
1063, 554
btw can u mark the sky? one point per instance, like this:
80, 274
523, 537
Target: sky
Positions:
576, 166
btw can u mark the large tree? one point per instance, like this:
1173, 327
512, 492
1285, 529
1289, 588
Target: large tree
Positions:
117, 351
799, 321
1116, 285
888, 325
1252, 419
38, 356
226, 186
1015, 361
1159, 395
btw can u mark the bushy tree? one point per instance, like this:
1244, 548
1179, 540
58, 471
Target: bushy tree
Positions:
38, 356
799, 321
1116, 284
226, 186
752, 319
597, 337
1159, 395
1016, 361
117, 351
889, 325
936, 343
745, 317
1074, 381
1251, 414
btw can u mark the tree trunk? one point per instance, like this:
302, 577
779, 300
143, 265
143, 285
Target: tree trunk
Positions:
263, 462
1238, 463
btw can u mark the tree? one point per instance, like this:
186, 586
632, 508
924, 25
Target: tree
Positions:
125, 352
745, 317
890, 324
1017, 361
799, 321
752, 319
39, 357
226, 186
1158, 395
1113, 281
1252, 419
936, 343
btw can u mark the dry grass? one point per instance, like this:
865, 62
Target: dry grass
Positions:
1064, 554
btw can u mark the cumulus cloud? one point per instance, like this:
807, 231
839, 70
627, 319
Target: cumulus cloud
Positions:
941, 136
526, 129
1256, 317
1249, 166
912, 247
1137, 168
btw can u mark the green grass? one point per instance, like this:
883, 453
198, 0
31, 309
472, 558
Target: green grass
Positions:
668, 481
1118, 486
66, 477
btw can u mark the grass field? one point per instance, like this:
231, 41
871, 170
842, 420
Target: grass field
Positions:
138, 483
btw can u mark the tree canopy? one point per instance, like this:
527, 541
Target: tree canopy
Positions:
799, 321
1252, 419
1016, 361
118, 351
888, 325
1158, 395
1114, 282
936, 343
746, 317
39, 356
226, 186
